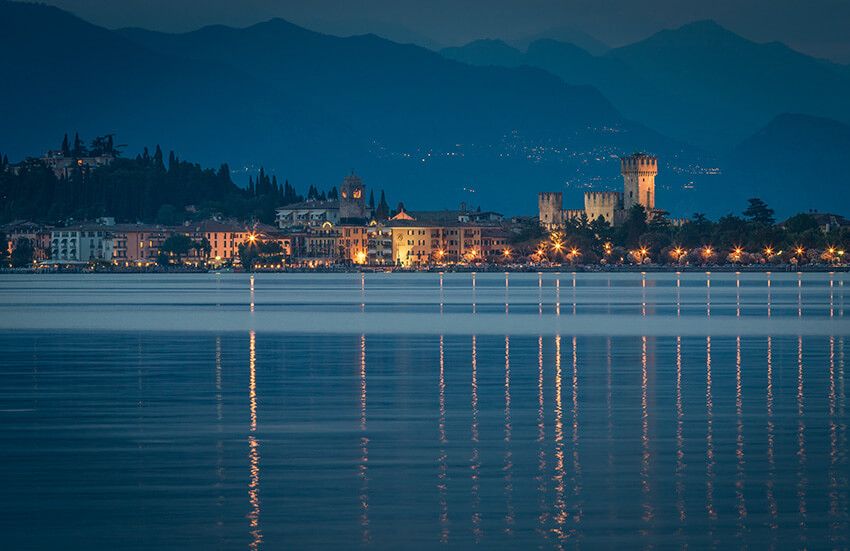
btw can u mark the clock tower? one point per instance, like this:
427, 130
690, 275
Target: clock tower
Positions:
352, 198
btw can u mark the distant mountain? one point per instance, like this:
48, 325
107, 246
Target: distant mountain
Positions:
733, 84
795, 163
700, 83
390, 31
486, 52
439, 128
564, 34
310, 107
70, 75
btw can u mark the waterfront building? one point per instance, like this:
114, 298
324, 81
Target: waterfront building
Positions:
82, 243
416, 243
494, 243
37, 234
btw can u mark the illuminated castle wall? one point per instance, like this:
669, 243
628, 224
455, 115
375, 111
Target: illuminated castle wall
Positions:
638, 172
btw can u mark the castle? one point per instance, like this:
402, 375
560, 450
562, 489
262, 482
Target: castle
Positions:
638, 172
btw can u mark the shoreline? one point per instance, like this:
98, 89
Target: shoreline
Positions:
564, 268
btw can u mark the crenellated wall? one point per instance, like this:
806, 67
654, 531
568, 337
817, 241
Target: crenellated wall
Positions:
604, 204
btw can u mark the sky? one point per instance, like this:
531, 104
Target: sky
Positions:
815, 27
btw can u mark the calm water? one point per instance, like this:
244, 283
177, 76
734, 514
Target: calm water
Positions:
424, 411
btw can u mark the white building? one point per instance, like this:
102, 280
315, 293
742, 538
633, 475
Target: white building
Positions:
81, 243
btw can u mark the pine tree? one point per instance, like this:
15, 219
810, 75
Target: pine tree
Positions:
66, 148
372, 199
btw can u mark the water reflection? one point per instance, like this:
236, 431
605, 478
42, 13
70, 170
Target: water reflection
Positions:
644, 438
475, 461
560, 504
534, 442
802, 481
253, 447
364, 448
740, 478
443, 467
543, 515
508, 466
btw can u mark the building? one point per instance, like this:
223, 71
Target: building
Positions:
81, 243
638, 171
416, 243
351, 207
494, 243
138, 243
36, 234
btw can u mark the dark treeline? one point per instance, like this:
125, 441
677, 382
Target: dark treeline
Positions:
147, 188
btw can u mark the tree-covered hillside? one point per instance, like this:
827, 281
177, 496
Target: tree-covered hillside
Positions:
147, 188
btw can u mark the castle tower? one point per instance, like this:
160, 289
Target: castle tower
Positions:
639, 172
551, 207
352, 198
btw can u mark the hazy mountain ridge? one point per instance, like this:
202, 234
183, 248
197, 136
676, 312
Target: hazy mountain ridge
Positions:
74, 76
310, 107
797, 161
699, 83
464, 121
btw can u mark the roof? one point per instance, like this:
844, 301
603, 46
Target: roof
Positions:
311, 205
439, 215
212, 226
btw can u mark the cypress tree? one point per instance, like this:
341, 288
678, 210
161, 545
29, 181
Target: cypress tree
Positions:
157, 159
65, 145
372, 199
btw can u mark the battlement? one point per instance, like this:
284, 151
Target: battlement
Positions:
551, 197
639, 162
612, 198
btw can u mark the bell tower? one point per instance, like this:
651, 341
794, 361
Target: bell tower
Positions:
352, 198
639, 172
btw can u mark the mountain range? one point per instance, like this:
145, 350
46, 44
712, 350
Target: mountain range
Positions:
700, 83
432, 131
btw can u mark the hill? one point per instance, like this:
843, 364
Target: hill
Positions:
309, 107
795, 163
440, 129
70, 75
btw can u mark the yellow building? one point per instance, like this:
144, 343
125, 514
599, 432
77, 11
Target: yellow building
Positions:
416, 244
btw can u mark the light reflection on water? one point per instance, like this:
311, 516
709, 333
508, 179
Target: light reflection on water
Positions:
134, 439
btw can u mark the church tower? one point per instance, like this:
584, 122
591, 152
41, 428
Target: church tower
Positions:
352, 198
639, 172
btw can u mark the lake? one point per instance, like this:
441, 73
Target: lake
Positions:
422, 411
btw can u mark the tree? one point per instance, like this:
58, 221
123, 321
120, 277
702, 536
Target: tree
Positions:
66, 147
635, 225
203, 246
177, 245
800, 223
759, 212
383, 210
23, 253
166, 215
372, 199
248, 252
